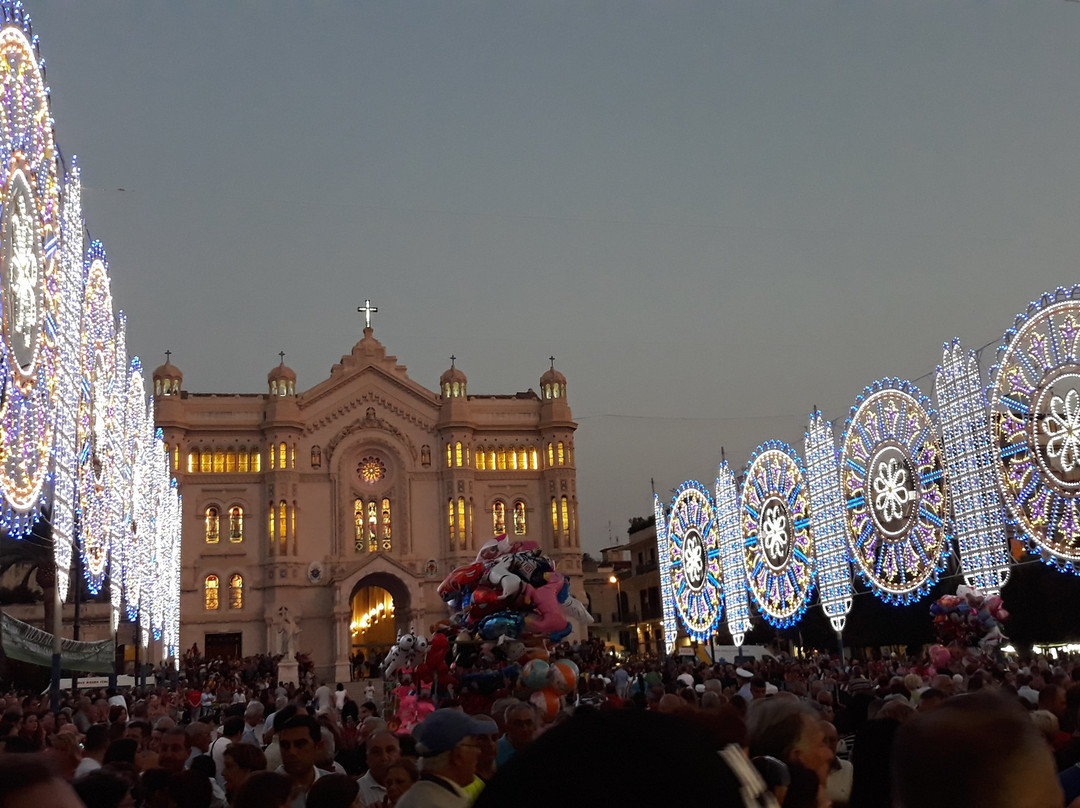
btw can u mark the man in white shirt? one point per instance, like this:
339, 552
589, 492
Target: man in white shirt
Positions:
301, 744
383, 748
254, 728
231, 732
94, 745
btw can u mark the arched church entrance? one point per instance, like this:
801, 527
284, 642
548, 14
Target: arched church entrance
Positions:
379, 611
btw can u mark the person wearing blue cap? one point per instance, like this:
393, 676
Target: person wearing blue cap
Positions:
449, 751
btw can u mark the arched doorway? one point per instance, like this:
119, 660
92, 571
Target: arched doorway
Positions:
379, 606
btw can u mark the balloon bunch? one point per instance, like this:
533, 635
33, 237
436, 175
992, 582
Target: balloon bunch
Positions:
968, 619
549, 681
405, 654
511, 590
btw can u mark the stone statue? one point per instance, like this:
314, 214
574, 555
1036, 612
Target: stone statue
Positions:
289, 629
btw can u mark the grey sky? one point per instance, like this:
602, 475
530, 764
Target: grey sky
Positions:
715, 215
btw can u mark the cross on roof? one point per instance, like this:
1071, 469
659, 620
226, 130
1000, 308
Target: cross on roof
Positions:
452, 360
168, 353
367, 310
552, 358
282, 355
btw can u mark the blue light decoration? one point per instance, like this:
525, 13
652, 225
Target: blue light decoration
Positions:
1035, 417
30, 229
827, 521
69, 312
778, 550
729, 534
99, 437
667, 592
969, 469
137, 505
694, 560
892, 476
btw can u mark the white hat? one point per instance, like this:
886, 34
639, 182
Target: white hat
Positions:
686, 679
744, 673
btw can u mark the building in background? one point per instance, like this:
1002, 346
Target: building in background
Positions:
323, 520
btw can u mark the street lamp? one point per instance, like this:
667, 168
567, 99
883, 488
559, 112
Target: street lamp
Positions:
614, 579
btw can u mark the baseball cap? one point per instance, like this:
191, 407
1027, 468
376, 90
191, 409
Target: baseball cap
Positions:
445, 728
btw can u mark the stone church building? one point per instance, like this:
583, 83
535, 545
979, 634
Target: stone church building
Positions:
348, 503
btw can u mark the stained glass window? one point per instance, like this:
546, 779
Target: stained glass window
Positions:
210, 589
236, 523
498, 517
236, 592
213, 522
519, 518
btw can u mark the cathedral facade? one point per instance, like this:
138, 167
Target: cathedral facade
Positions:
323, 521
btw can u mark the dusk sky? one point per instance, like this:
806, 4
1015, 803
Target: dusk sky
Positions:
715, 215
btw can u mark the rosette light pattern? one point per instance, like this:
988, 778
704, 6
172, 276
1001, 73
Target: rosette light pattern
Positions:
778, 551
137, 505
1035, 417
68, 342
827, 521
667, 592
893, 480
694, 560
98, 433
729, 530
30, 228
118, 536
969, 469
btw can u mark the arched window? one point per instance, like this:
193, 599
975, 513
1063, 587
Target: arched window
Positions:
210, 592
236, 523
498, 517
449, 456
283, 455
481, 459
219, 461
451, 522
461, 522
316, 457
242, 461
230, 460
256, 461
292, 456
561, 453
519, 518
358, 526
425, 455
491, 458
512, 459
534, 459
271, 456
501, 458
176, 458
446, 390
387, 543
555, 520
523, 459
551, 456
271, 520
206, 461
457, 453
565, 517
555, 390
372, 527
283, 517
570, 453
213, 524
192, 462
236, 591
292, 525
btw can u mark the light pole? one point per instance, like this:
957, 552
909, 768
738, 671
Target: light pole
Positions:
614, 579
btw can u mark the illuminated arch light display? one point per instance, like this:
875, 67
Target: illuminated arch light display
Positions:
892, 477
29, 283
694, 560
76, 430
778, 551
729, 530
99, 479
667, 594
70, 386
827, 521
1035, 415
969, 470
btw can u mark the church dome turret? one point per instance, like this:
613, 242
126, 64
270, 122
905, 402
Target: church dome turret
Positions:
282, 379
553, 383
167, 378
452, 382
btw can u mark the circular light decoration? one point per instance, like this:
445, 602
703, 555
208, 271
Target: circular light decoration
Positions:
371, 469
29, 235
694, 560
894, 488
777, 549
1035, 417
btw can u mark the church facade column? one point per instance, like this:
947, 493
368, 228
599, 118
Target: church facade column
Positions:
342, 643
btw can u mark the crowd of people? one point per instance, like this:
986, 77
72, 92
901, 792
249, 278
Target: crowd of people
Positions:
780, 731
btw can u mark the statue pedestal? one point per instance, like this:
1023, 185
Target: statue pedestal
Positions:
288, 672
